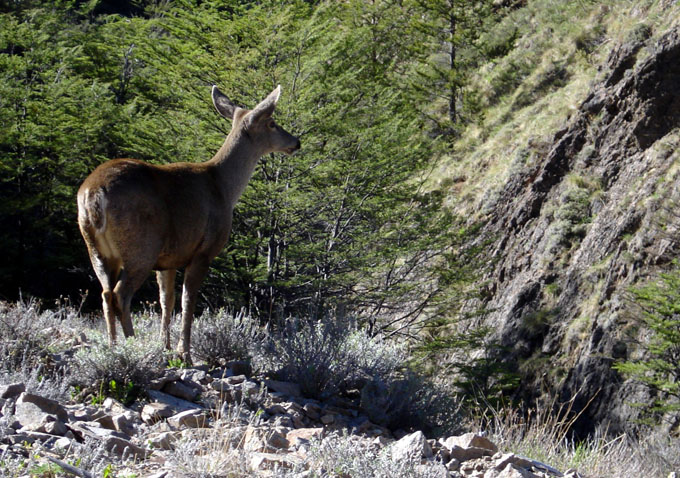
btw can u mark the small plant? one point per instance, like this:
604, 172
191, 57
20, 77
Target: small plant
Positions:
176, 362
28, 334
46, 470
327, 357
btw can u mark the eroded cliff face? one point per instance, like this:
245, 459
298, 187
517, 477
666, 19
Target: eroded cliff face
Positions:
574, 229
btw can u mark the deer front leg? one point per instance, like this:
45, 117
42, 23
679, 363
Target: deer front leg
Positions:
166, 289
193, 277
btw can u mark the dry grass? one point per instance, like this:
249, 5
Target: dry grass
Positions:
544, 435
531, 93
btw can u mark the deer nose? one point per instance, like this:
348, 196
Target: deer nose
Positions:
297, 145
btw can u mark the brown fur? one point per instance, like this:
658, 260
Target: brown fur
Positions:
137, 217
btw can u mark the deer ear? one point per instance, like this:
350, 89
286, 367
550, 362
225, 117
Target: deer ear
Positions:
266, 107
223, 105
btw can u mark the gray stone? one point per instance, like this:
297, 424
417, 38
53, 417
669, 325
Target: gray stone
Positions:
265, 439
276, 409
411, 446
287, 388
177, 404
125, 448
189, 419
467, 454
470, 440
30, 410
63, 443
453, 465
268, 461
54, 426
170, 376
327, 419
503, 461
181, 390
122, 424
156, 411
94, 430
302, 435
163, 440
312, 410
236, 379
240, 367
432, 470
12, 390
193, 377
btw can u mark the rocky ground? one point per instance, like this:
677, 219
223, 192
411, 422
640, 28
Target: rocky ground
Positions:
198, 422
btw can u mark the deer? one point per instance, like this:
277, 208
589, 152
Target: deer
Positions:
136, 217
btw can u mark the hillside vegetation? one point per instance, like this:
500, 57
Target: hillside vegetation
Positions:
490, 184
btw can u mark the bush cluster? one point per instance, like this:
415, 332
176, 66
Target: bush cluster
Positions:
327, 357
330, 358
28, 334
122, 370
220, 337
349, 456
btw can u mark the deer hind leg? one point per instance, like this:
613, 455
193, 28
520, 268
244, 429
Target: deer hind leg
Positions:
109, 308
129, 281
166, 288
107, 275
123, 297
193, 277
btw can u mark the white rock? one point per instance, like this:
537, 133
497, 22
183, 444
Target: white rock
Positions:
190, 419
412, 446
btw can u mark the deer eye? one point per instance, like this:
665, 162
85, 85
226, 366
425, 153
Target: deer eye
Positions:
271, 124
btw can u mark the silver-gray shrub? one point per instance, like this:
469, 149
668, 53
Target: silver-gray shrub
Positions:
348, 455
221, 336
135, 360
328, 357
28, 333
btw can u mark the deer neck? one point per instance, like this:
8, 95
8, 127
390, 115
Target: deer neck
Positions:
235, 163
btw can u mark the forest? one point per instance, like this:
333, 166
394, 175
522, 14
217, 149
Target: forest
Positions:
354, 224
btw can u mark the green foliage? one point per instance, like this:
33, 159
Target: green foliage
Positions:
658, 305
177, 363
346, 225
478, 367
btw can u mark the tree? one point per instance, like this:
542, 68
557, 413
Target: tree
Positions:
449, 30
658, 304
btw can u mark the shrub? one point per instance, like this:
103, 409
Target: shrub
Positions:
121, 370
329, 357
343, 455
221, 337
411, 401
28, 335
309, 354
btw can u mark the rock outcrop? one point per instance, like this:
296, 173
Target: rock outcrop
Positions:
575, 229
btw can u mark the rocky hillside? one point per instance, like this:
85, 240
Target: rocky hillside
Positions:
586, 215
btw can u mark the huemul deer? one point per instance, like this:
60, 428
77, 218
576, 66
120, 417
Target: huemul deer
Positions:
137, 217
